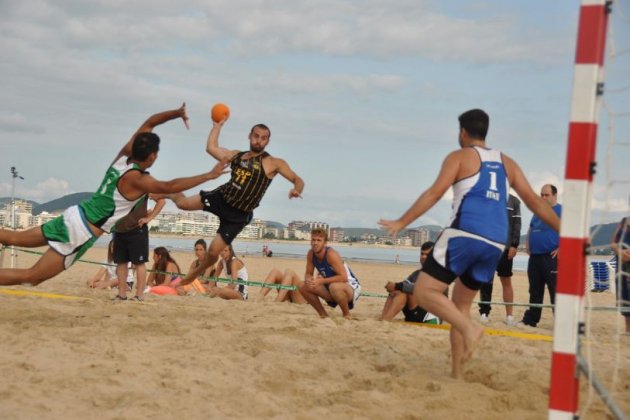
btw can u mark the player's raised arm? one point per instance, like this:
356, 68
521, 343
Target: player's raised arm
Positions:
152, 122
212, 146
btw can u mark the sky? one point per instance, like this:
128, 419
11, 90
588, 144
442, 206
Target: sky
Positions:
362, 97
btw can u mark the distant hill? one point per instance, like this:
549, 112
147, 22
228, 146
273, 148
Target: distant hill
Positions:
604, 233
61, 203
52, 206
271, 224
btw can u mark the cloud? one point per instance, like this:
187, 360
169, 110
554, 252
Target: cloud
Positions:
539, 178
49, 189
18, 123
327, 83
370, 28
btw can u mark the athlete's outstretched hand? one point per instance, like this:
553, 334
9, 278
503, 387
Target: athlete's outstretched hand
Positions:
219, 169
184, 115
392, 226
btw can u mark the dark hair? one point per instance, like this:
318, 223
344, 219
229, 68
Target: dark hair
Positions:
321, 232
143, 145
232, 255
263, 126
476, 123
165, 258
427, 245
202, 243
554, 190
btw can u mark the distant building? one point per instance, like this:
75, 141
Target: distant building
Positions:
308, 225
298, 229
370, 238
273, 231
255, 230
404, 241
23, 214
258, 229
23, 206
186, 223
42, 218
418, 236
165, 222
336, 234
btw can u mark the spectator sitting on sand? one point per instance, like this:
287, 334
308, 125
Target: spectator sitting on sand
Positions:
288, 278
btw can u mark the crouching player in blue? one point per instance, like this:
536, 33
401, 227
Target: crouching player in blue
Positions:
328, 277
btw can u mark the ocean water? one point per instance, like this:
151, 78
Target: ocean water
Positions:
406, 256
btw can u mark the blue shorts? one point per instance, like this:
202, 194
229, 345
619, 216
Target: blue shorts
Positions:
461, 254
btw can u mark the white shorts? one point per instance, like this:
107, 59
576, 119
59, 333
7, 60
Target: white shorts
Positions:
69, 235
356, 293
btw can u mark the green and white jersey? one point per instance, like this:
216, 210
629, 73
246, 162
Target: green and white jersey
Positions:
108, 205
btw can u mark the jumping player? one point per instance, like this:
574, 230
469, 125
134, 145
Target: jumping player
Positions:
126, 182
235, 201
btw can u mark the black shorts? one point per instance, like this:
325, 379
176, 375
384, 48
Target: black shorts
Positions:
416, 314
334, 304
435, 270
132, 246
231, 220
504, 268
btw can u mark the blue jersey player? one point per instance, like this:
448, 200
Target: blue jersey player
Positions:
467, 252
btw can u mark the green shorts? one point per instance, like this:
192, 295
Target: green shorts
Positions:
69, 235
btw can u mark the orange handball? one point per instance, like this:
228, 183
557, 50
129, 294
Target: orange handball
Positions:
219, 112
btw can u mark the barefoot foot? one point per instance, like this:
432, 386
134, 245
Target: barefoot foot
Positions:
471, 340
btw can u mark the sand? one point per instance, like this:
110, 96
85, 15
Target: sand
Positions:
195, 357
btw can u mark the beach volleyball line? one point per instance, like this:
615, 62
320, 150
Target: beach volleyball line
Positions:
293, 288
489, 331
47, 295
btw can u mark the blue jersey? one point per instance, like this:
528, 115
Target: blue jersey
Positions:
542, 238
325, 269
480, 201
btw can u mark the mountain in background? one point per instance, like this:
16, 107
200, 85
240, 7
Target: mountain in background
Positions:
276, 225
52, 206
604, 233
62, 203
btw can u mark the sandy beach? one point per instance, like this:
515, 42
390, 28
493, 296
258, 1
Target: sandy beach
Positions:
195, 357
